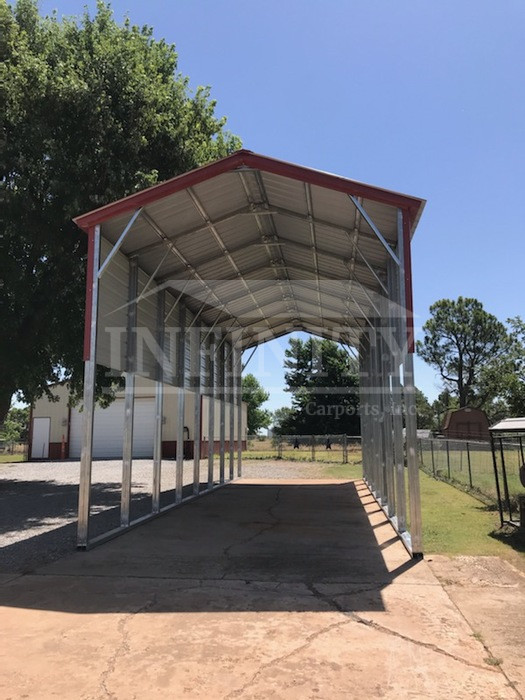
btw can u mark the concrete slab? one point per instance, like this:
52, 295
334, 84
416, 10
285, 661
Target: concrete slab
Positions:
267, 589
490, 593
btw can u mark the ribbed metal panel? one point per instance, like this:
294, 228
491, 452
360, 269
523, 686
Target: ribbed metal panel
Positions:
320, 272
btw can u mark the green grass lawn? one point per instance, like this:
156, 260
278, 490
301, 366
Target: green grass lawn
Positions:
303, 455
456, 523
6, 459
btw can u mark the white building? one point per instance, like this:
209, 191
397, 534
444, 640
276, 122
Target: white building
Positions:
56, 428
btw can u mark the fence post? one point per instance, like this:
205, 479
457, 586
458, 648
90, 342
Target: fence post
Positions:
448, 459
313, 448
469, 466
280, 447
420, 445
345, 449
432, 452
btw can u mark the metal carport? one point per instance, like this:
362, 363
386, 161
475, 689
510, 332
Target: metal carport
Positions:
186, 275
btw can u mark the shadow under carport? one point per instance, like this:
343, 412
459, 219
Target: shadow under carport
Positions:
252, 545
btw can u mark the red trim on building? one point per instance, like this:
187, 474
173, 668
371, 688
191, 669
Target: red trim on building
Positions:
251, 160
89, 292
55, 451
409, 302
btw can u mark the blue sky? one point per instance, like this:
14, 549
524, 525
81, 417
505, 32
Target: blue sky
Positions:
424, 98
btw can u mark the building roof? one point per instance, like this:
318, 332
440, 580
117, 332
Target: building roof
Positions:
509, 425
265, 243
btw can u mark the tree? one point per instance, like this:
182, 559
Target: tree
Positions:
505, 377
92, 111
445, 402
425, 412
16, 425
254, 395
323, 380
460, 340
281, 417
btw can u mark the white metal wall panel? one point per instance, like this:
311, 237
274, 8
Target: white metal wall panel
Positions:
112, 310
109, 427
146, 325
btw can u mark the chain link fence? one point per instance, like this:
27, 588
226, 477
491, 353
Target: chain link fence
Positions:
342, 449
471, 465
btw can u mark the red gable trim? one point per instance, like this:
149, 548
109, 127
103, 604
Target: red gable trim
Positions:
250, 160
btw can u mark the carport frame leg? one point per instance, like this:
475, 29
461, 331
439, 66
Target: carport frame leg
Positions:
90, 366
211, 408
238, 365
231, 385
181, 357
159, 404
222, 424
129, 398
195, 351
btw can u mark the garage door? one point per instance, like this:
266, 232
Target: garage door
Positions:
109, 429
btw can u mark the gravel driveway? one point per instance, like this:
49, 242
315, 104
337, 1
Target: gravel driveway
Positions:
38, 501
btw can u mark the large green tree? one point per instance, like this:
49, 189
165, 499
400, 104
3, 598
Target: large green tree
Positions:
254, 395
504, 378
323, 380
91, 111
460, 340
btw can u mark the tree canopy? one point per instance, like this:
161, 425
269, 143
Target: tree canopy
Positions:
15, 428
93, 111
480, 360
254, 395
460, 340
324, 381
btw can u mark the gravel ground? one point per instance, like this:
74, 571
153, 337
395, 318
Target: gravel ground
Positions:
38, 501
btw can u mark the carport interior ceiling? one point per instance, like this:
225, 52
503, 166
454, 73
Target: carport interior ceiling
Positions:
264, 245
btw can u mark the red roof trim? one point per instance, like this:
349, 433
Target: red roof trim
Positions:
258, 162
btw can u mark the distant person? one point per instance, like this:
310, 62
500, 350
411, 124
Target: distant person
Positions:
328, 444
296, 444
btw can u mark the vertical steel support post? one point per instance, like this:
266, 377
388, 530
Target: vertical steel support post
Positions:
397, 397
159, 403
222, 408
496, 477
181, 382
195, 352
366, 434
231, 385
409, 386
469, 466
386, 370
378, 416
211, 406
238, 365
129, 396
90, 366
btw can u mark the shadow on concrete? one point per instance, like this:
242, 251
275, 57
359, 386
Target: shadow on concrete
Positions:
41, 517
260, 546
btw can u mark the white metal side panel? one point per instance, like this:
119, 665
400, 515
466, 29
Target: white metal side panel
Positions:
147, 346
112, 310
109, 429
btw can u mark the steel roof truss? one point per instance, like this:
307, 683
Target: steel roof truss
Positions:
374, 228
212, 228
119, 242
